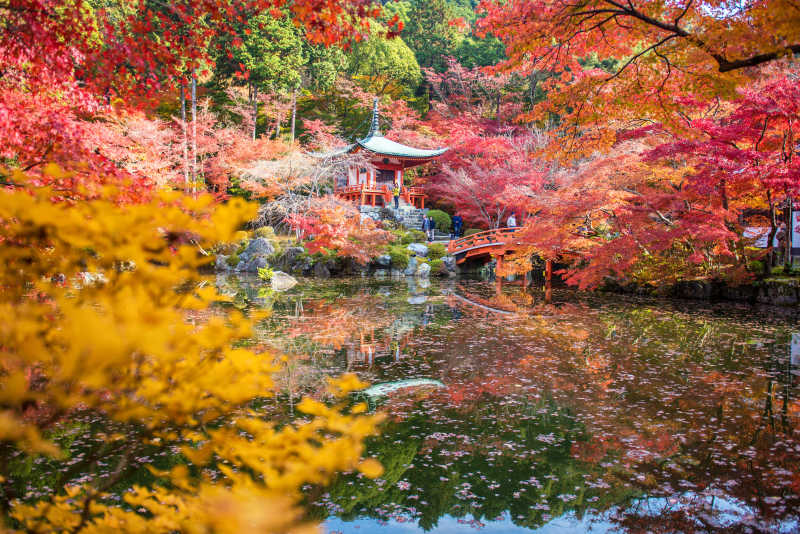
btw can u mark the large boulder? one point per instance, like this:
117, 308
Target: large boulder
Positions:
321, 270
383, 260
253, 264
282, 281
287, 260
411, 270
423, 270
418, 248
222, 263
303, 266
449, 262
260, 246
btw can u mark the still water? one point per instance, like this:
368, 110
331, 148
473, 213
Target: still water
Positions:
593, 413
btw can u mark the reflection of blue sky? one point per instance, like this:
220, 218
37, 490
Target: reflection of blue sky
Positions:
722, 512
560, 525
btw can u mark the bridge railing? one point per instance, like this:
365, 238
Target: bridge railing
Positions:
481, 239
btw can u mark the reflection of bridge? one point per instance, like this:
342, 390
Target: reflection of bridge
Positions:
479, 303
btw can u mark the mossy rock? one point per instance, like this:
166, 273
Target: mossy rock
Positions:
225, 249
399, 255
267, 232
232, 260
413, 236
436, 251
438, 268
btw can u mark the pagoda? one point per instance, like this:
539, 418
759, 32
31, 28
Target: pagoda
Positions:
373, 186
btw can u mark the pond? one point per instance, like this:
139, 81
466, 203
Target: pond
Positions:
595, 412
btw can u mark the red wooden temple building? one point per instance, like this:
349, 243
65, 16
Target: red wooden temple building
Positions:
373, 186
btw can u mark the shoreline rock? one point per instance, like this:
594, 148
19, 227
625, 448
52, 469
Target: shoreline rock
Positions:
281, 281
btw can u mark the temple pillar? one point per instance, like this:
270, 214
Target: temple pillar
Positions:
548, 276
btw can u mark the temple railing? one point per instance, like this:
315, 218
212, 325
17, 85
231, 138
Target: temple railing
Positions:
364, 194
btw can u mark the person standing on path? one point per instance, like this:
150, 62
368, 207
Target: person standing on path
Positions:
431, 228
512, 221
396, 194
457, 224
425, 224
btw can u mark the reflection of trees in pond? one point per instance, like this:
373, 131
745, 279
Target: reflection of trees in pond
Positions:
479, 460
693, 412
678, 411
91, 453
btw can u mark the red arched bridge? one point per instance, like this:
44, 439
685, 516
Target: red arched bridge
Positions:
491, 243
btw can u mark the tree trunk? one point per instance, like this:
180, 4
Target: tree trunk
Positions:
278, 124
255, 110
724, 193
532, 85
185, 140
773, 229
194, 133
294, 111
787, 236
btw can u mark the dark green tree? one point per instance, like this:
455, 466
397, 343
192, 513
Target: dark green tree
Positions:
385, 66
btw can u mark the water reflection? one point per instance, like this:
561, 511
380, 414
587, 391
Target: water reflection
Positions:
593, 411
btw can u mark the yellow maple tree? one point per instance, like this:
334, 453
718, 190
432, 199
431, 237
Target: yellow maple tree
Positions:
95, 298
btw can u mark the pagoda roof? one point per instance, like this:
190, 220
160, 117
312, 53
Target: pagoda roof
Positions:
386, 147
375, 142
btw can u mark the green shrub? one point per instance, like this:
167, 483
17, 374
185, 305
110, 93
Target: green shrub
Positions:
470, 231
413, 236
756, 267
442, 220
265, 273
267, 232
399, 255
438, 268
232, 260
389, 224
436, 251
225, 249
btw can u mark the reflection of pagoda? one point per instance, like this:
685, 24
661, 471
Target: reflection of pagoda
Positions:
373, 186
362, 353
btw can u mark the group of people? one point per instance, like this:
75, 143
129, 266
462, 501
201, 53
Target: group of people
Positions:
429, 226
